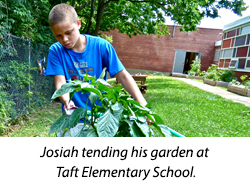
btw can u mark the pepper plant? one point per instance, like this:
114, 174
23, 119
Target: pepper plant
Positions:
118, 116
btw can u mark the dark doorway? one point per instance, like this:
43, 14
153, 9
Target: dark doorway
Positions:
190, 56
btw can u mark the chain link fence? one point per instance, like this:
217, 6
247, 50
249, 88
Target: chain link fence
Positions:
23, 84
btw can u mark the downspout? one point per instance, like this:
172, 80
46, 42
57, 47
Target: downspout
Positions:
174, 30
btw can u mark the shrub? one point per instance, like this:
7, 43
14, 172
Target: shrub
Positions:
226, 75
195, 67
212, 73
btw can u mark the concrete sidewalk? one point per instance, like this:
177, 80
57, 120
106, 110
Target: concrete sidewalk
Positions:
216, 90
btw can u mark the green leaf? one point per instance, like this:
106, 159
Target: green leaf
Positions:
103, 73
165, 130
142, 119
133, 102
87, 133
144, 127
66, 88
135, 131
157, 118
93, 97
71, 94
131, 111
107, 125
162, 129
94, 90
76, 116
118, 109
103, 82
60, 124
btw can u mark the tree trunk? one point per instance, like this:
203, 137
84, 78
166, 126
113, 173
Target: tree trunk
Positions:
91, 15
101, 7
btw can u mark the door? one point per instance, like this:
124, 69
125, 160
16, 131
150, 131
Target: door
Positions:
179, 61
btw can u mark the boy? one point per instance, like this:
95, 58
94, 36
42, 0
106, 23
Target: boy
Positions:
75, 54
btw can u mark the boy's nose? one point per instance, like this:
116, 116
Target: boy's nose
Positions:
65, 39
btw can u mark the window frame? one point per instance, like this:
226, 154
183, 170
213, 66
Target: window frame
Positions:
236, 64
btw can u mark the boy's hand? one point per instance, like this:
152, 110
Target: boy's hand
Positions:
69, 105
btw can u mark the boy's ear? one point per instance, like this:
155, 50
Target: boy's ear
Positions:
79, 23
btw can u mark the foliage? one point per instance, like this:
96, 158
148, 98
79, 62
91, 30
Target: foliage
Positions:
195, 67
35, 123
6, 110
245, 81
21, 89
29, 19
234, 82
108, 38
226, 75
212, 73
119, 115
147, 17
202, 73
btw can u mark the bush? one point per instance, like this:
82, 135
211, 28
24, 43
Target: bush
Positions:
226, 75
245, 81
212, 73
195, 67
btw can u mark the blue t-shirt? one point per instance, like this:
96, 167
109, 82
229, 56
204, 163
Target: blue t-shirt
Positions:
98, 54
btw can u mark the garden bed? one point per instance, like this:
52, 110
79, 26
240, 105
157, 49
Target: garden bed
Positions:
210, 82
216, 83
222, 83
195, 77
241, 90
179, 75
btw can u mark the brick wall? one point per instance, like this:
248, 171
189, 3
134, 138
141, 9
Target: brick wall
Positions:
157, 54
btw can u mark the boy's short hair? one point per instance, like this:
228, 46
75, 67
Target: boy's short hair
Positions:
62, 12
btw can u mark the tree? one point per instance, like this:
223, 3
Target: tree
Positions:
29, 18
147, 16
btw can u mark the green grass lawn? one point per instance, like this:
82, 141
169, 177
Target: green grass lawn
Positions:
184, 108
194, 112
36, 123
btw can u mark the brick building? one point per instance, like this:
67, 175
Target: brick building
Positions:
172, 53
235, 47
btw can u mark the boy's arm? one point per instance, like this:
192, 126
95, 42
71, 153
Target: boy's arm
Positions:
59, 81
129, 84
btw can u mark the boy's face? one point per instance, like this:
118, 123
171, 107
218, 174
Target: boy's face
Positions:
67, 33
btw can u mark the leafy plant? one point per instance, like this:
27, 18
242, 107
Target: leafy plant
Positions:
226, 75
202, 73
195, 67
119, 115
245, 81
234, 82
212, 73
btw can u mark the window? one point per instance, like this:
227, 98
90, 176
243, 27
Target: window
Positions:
216, 56
226, 43
228, 53
248, 64
242, 51
240, 41
225, 35
233, 63
231, 33
241, 64
245, 30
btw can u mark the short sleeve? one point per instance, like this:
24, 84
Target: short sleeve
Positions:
54, 65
